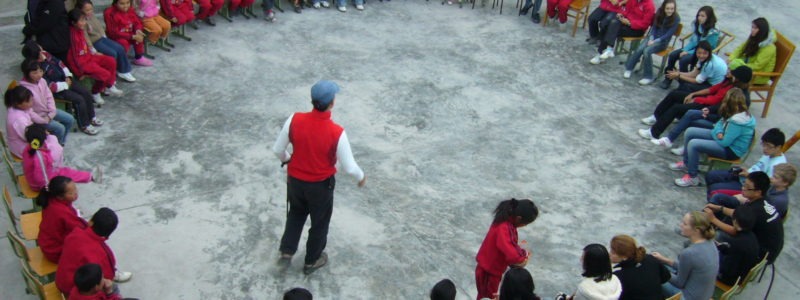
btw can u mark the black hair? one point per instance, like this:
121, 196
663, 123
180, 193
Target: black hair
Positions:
320, 107
29, 65
445, 289
298, 294
760, 181
87, 277
661, 14
705, 45
57, 187
774, 136
17, 96
74, 16
745, 218
711, 21
35, 132
752, 46
31, 50
596, 262
104, 221
510, 209
517, 285
81, 3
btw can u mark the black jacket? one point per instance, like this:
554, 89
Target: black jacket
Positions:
737, 260
642, 281
49, 26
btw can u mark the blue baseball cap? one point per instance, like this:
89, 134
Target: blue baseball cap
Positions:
324, 91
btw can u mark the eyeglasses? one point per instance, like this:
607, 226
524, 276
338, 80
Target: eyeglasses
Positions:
748, 189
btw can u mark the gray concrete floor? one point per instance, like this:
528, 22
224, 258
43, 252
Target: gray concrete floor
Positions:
448, 110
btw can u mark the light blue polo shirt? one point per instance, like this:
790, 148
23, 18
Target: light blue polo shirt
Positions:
713, 70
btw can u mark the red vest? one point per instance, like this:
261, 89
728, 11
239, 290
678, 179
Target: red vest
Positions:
314, 139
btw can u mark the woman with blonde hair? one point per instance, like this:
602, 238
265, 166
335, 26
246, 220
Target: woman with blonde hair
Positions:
695, 270
641, 274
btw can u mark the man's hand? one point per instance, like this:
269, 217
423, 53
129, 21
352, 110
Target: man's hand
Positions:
673, 74
713, 207
709, 213
363, 181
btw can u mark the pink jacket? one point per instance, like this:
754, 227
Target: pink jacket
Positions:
16, 122
148, 8
53, 157
44, 106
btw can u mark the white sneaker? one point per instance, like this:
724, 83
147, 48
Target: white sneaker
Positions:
342, 9
664, 141
316, 5
326, 4
626, 75
645, 81
114, 91
126, 76
562, 27
608, 53
677, 166
649, 121
120, 276
596, 60
360, 7
687, 180
98, 99
645, 133
677, 151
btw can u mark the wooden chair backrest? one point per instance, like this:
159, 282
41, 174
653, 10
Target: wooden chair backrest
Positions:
755, 270
675, 297
33, 284
735, 288
784, 48
579, 4
10, 168
677, 35
18, 246
12, 84
725, 38
788, 145
9, 207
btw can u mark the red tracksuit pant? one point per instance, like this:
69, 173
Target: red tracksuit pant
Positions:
138, 48
209, 8
561, 5
240, 3
487, 283
103, 69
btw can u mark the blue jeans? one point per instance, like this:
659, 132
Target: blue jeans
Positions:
115, 50
667, 289
647, 59
722, 180
698, 141
683, 61
536, 6
61, 125
692, 118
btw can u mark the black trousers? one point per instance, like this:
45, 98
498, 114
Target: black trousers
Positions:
613, 31
82, 101
308, 198
598, 20
671, 108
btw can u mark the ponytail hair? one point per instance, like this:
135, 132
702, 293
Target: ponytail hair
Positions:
513, 208
35, 134
625, 245
700, 221
56, 188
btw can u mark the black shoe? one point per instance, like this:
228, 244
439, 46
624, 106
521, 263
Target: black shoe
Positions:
193, 24
535, 18
235, 12
321, 262
209, 21
298, 9
524, 10
284, 262
665, 84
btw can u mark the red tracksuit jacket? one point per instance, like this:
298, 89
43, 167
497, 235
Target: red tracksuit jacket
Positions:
120, 24
500, 249
75, 295
59, 218
640, 13
83, 246
79, 52
715, 93
314, 137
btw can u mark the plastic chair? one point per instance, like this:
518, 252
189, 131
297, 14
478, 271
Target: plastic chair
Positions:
44, 292
785, 49
28, 222
33, 257
579, 10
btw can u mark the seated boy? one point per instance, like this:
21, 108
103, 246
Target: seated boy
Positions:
771, 143
90, 285
783, 176
740, 253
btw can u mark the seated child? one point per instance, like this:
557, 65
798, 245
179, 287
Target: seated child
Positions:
19, 102
43, 160
124, 27
90, 285
178, 12
84, 61
59, 217
783, 176
44, 109
771, 143
155, 24
445, 289
297, 294
740, 253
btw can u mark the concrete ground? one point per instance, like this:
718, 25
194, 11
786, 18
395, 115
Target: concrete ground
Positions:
448, 111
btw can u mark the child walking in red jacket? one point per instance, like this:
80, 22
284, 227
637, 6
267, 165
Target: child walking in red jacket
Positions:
500, 248
83, 60
124, 27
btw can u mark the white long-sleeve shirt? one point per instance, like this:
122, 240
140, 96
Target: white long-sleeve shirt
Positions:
344, 155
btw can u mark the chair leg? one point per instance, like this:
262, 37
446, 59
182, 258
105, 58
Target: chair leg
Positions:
575, 26
766, 104
501, 6
771, 280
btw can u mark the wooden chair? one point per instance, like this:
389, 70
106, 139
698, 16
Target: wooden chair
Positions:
715, 163
578, 9
735, 290
785, 49
22, 184
724, 39
721, 288
675, 297
32, 257
5, 148
29, 222
788, 145
44, 292
663, 54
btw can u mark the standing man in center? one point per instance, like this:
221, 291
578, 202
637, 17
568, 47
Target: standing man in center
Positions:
318, 143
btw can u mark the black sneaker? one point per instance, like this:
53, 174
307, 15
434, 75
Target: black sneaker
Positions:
535, 18
209, 21
284, 262
665, 84
321, 262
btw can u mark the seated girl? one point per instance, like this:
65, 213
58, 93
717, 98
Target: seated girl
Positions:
44, 109
84, 60
602, 16
18, 101
123, 26
703, 29
711, 70
758, 52
695, 270
631, 22
729, 139
43, 159
598, 283
155, 24
59, 217
661, 31
640, 273
95, 36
